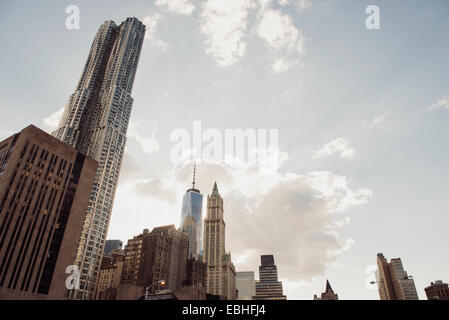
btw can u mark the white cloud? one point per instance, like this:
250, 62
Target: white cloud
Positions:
52, 121
286, 42
183, 7
225, 25
440, 104
300, 4
151, 37
335, 190
145, 134
380, 118
340, 146
377, 120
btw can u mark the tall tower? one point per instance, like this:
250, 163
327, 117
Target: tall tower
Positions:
392, 280
192, 217
221, 275
95, 122
268, 287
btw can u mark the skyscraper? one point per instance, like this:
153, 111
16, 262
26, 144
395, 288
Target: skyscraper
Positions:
95, 122
220, 269
246, 285
268, 287
44, 192
192, 218
112, 245
393, 282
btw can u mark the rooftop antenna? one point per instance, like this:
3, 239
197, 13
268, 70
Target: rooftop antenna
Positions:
194, 173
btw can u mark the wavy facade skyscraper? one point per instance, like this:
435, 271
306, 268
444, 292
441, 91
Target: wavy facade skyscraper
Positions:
95, 122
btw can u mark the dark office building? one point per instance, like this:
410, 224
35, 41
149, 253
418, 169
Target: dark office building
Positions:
195, 273
437, 291
268, 287
156, 260
44, 192
112, 245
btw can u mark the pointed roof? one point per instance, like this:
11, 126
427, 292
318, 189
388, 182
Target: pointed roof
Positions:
328, 287
215, 189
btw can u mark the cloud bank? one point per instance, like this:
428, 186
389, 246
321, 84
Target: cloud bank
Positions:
295, 217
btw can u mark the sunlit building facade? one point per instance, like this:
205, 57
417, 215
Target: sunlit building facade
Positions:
192, 218
393, 282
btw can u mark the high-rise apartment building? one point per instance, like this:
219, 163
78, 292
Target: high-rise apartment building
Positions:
95, 122
393, 282
437, 290
112, 245
328, 293
268, 287
156, 260
110, 272
220, 269
133, 259
192, 218
246, 285
44, 193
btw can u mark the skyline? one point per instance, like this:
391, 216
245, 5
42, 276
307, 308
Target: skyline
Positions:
370, 143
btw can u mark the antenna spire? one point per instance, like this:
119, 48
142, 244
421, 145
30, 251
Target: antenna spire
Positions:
194, 173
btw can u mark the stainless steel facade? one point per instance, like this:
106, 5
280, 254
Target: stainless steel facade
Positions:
95, 122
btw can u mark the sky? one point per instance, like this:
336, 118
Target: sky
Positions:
361, 116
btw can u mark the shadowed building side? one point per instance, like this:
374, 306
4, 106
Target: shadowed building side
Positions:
44, 192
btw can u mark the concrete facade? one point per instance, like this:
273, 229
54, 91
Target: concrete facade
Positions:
393, 282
